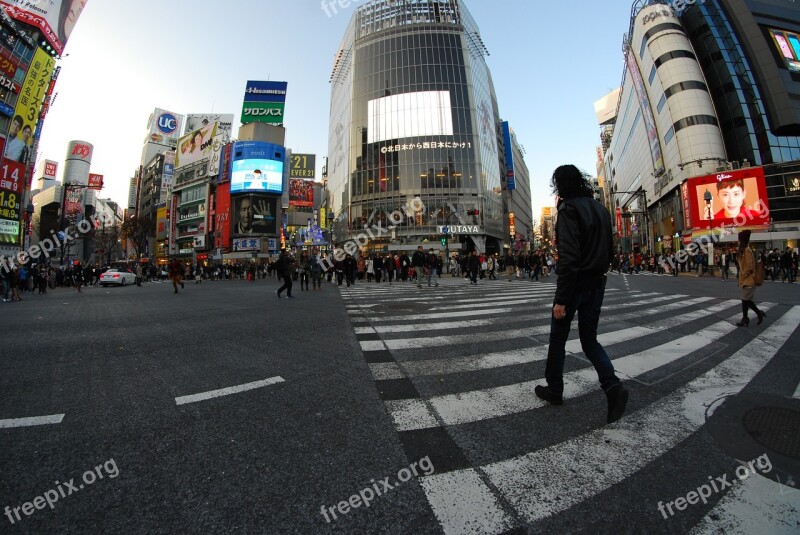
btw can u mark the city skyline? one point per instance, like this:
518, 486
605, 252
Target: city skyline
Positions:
553, 118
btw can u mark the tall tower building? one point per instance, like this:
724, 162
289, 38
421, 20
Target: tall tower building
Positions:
414, 114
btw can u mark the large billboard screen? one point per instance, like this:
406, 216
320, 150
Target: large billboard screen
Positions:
164, 127
196, 146
264, 102
255, 215
647, 112
55, 18
22, 129
788, 44
196, 121
301, 192
737, 198
422, 113
257, 174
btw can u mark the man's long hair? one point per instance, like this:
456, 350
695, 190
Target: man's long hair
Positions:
569, 181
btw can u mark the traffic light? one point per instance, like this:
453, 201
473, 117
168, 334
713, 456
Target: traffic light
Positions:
444, 242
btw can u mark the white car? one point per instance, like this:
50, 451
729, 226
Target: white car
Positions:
117, 276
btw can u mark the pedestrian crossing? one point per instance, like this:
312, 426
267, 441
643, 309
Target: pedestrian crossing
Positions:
456, 367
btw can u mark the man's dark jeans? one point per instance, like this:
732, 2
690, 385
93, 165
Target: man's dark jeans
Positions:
587, 303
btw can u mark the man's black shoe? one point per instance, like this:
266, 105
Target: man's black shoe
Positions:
617, 399
543, 392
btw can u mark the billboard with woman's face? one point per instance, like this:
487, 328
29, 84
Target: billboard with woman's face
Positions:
733, 198
55, 18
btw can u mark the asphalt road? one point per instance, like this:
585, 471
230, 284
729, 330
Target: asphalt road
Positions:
349, 387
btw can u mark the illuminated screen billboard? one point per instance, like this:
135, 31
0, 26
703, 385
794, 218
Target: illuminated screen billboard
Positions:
737, 198
788, 44
55, 18
301, 192
418, 114
257, 166
257, 175
255, 215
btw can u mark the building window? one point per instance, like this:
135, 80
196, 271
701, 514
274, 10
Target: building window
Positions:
683, 86
670, 135
657, 29
675, 54
652, 74
695, 120
661, 103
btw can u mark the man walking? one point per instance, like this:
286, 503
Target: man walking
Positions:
432, 265
175, 272
284, 268
583, 230
418, 262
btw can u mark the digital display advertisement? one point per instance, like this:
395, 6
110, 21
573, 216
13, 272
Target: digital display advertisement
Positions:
257, 175
737, 198
196, 146
301, 192
255, 215
55, 18
788, 45
422, 113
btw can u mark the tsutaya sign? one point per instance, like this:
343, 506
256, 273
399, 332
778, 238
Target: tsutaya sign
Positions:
460, 229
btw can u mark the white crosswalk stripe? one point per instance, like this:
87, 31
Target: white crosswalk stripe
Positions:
443, 361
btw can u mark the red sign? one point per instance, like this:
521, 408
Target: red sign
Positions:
737, 198
222, 215
11, 175
619, 221
50, 169
95, 181
81, 150
687, 213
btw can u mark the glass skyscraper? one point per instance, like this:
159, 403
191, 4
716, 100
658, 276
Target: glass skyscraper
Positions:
414, 114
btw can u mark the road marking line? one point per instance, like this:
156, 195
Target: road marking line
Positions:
182, 400
530, 481
755, 505
34, 420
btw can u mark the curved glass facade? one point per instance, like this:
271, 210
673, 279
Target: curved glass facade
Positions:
413, 114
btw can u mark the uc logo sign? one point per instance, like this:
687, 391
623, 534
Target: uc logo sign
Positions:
167, 123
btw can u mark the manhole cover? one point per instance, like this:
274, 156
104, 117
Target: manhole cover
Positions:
775, 428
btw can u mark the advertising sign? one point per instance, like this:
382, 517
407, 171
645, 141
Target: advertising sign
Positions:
55, 18
730, 198
255, 215
215, 160
619, 221
95, 181
164, 127
162, 222
262, 112
301, 192
225, 164
792, 184
222, 214
247, 244
303, 166
73, 205
323, 219
788, 45
259, 91
196, 146
11, 177
647, 112
26, 114
511, 180
257, 175
50, 170
80, 150
168, 172
196, 121
173, 225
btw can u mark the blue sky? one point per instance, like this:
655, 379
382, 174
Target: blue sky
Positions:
550, 61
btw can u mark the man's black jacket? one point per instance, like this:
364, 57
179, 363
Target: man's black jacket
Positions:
585, 246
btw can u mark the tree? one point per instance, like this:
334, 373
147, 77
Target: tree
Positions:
136, 230
107, 237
